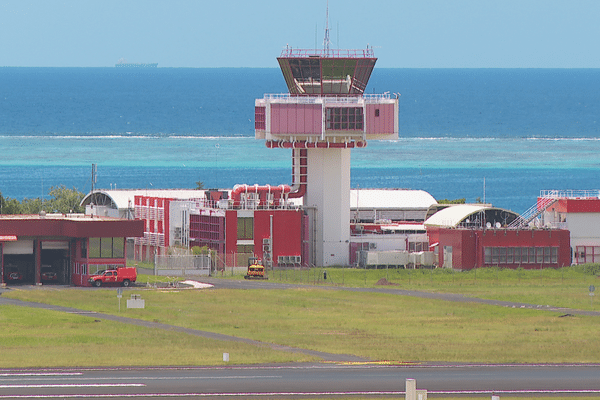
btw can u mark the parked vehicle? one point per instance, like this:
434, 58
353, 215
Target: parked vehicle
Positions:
255, 269
48, 274
125, 276
12, 274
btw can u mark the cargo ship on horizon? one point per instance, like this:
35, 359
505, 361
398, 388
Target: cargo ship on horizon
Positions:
124, 64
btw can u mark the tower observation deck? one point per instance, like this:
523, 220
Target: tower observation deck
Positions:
325, 114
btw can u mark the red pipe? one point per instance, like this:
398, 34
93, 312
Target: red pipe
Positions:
311, 145
299, 182
262, 191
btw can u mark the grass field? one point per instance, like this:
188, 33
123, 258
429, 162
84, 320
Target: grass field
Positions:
372, 325
377, 326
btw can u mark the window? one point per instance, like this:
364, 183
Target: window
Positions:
245, 228
106, 247
540, 255
502, 255
587, 254
495, 255
260, 118
344, 118
531, 255
247, 249
509, 255
521, 255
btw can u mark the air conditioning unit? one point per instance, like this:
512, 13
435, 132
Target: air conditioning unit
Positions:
177, 232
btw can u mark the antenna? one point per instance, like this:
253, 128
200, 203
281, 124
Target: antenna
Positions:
94, 172
326, 41
484, 190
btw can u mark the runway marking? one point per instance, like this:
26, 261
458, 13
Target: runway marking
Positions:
145, 378
70, 385
41, 374
295, 394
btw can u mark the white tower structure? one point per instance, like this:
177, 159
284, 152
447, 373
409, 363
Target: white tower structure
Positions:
324, 116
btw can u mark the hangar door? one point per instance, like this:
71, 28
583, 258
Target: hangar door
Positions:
55, 262
19, 262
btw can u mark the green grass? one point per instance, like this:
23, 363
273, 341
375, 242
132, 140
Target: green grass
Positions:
372, 325
564, 287
376, 326
42, 338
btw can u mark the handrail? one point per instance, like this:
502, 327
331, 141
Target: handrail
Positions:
326, 99
289, 52
570, 194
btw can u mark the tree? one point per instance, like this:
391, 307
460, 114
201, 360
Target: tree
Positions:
31, 206
9, 206
64, 200
199, 185
455, 201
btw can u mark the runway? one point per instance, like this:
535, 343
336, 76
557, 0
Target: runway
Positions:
308, 381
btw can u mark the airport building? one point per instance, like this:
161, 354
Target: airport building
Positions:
62, 249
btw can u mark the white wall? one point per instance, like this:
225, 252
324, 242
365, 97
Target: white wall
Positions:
328, 188
584, 228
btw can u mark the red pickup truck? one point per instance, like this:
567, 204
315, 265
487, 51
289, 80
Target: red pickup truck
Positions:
125, 276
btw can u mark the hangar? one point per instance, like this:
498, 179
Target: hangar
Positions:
61, 248
475, 235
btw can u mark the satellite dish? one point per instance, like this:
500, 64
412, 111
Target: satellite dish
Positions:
498, 225
489, 225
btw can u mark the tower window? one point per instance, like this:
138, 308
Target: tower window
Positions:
344, 118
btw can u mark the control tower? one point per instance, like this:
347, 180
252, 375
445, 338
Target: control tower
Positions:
325, 114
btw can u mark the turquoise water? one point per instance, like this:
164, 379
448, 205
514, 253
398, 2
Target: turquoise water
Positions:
521, 131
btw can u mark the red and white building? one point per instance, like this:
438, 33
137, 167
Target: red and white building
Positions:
577, 211
62, 249
476, 236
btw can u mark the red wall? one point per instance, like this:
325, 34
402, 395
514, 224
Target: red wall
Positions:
73, 228
296, 119
384, 123
586, 205
468, 245
287, 232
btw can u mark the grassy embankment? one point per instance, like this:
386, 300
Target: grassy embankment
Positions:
372, 325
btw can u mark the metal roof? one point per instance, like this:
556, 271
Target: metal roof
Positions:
381, 199
378, 199
454, 215
125, 198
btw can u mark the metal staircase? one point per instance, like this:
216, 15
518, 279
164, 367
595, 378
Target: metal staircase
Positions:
533, 212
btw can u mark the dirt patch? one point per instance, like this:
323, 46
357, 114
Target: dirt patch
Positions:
385, 282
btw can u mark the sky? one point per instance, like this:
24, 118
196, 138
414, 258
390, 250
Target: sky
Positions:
243, 33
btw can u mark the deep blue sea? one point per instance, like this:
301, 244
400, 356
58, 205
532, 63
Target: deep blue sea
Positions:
519, 130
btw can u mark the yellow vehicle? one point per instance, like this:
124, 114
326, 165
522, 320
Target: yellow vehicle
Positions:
255, 269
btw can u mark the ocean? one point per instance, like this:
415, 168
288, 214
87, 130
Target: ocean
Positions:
499, 135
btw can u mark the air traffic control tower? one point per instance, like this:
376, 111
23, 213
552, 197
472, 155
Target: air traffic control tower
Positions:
325, 114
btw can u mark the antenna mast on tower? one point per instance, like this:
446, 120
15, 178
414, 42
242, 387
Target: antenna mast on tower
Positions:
326, 41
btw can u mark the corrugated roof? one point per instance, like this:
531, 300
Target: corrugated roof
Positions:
452, 216
124, 197
381, 199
